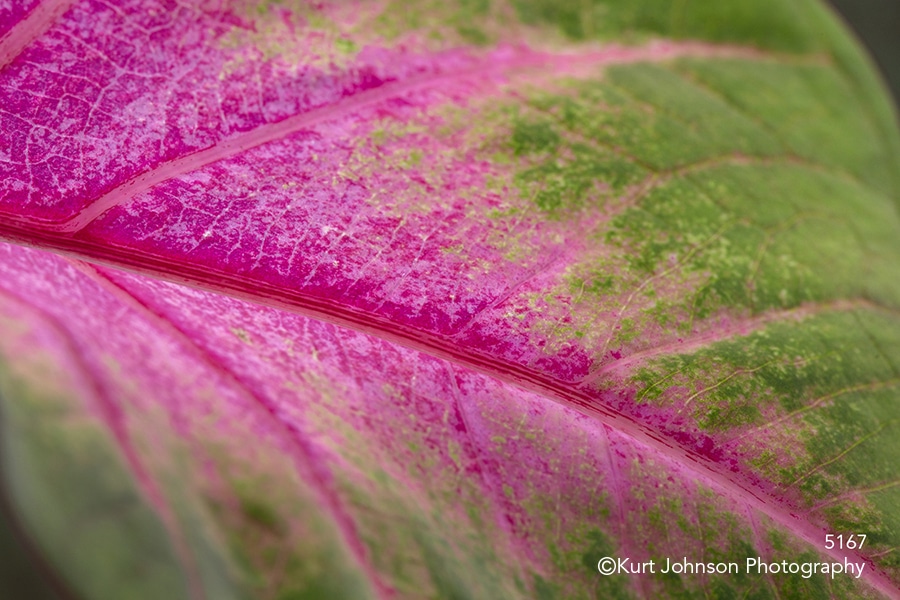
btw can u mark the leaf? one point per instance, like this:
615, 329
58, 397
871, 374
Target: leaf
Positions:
450, 300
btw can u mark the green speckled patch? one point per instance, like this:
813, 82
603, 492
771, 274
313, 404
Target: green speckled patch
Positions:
691, 203
810, 404
473, 22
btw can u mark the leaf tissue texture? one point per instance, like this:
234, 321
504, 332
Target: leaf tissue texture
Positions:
412, 299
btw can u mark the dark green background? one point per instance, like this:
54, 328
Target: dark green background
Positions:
877, 23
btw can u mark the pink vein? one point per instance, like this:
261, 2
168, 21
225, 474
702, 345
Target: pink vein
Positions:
493, 68
618, 488
738, 328
300, 454
762, 546
38, 21
115, 420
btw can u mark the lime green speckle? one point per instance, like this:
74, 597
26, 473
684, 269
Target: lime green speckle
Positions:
346, 46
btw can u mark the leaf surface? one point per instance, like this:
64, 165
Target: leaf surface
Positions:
478, 293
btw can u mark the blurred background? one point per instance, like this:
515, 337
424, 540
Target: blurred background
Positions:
877, 24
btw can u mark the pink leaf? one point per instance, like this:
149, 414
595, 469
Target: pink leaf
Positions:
400, 300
